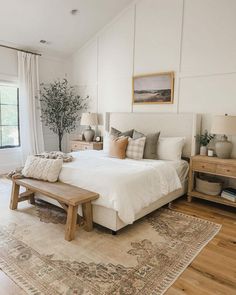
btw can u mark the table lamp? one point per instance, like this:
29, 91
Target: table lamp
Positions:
224, 125
89, 119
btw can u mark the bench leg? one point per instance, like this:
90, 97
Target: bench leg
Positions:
31, 197
65, 207
88, 216
14, 196
71, 222
32, 200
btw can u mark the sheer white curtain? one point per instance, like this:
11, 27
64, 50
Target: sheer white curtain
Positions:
30, 124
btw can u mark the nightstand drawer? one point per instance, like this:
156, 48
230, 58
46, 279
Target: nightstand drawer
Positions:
204, 166
226, 170
86, 147
75, 146
81, 147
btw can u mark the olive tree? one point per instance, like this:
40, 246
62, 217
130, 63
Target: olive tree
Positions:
60, 107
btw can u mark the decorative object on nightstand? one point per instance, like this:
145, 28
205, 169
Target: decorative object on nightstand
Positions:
224, 125
229, 193
210, 153
208, 185
212, 166
98, 139
81, 145
204, 140
89, 119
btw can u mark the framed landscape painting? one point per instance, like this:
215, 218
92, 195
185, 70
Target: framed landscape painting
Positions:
154, 88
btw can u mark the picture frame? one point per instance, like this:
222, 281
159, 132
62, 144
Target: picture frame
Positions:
157, 88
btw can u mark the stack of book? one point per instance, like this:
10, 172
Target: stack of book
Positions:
229, 194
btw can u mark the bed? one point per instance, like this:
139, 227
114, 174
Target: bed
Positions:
130, 189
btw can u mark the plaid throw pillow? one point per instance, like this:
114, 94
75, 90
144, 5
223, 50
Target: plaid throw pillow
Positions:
135, 148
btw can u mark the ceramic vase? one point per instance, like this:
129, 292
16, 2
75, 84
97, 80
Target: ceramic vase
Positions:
203, 150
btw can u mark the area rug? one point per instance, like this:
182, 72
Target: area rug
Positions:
144, 258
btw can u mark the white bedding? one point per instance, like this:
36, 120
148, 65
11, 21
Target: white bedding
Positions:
126, 186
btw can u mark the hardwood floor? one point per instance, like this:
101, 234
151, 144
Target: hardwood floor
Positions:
213, 271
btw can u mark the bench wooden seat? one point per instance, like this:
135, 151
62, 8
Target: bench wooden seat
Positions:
69, 197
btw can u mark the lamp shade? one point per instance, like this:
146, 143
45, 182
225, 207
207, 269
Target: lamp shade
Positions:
225, 125
89, 119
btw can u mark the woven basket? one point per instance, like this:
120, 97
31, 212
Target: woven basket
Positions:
209, 186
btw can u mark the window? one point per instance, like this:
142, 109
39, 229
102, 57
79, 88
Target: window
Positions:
9, 117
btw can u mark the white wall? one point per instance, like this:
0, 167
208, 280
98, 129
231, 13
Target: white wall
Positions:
49, 69
115, 64
194, 38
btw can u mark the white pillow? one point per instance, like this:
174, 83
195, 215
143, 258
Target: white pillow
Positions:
106, 142
44, 169
135, 148
170, 148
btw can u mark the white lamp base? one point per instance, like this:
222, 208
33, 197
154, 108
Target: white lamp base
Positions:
89, 134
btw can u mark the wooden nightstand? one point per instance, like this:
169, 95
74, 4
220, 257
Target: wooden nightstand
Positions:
214, 166
80, 145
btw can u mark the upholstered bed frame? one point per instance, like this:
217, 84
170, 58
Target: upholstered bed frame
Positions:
186, 125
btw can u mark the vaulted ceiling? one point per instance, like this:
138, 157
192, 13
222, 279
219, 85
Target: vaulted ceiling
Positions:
25, 22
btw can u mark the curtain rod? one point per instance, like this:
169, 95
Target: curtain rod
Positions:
14, 48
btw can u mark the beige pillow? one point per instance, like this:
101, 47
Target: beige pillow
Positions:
43, 169
170, 148
118, 147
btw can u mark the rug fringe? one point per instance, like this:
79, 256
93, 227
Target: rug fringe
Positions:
184, 263
18, 279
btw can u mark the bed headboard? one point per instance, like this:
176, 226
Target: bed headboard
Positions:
187, 125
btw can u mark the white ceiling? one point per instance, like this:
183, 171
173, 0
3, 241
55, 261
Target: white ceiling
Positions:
26, 22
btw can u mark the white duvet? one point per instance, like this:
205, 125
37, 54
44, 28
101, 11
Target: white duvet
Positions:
126, 186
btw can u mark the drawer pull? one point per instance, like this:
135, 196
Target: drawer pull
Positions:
228, 170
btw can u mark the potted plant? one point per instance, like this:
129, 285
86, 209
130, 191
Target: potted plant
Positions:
61, 107
204, 140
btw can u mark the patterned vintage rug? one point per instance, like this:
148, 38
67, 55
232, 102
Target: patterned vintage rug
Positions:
145, 258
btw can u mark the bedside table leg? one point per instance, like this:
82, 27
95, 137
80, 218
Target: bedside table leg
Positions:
189, 199
190, 182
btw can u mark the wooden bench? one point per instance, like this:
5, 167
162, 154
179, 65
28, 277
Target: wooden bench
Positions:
68, 196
